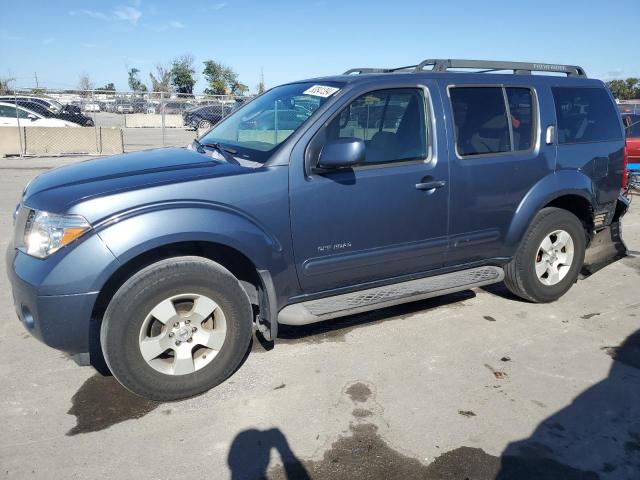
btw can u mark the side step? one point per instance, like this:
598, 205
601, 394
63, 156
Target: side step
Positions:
374, 298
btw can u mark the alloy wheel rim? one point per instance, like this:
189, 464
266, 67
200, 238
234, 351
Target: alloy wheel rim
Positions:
554, 257
182, 334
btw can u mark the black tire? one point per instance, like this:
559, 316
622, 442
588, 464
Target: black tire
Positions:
120, 330
520, 275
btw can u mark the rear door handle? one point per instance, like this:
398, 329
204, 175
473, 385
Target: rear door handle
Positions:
432, 185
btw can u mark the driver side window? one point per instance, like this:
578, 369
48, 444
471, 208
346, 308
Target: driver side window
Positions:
390, 122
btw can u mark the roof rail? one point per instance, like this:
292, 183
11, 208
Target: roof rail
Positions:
481, 66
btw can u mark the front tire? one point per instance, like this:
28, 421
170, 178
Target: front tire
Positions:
176, 328
549, 258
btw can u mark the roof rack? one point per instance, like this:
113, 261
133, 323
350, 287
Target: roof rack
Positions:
480, 66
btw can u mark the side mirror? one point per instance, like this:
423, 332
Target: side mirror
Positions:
342, 153
32, 117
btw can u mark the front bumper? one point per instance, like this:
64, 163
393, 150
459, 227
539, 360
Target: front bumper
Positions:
60, 321
54, 298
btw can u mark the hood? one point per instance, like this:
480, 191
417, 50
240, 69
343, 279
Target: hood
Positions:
58, 189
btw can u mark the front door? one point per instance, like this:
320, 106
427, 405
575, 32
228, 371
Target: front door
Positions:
383, 218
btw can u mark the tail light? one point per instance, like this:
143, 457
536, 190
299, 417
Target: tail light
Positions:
625, 163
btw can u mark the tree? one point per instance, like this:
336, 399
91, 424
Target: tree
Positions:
4, 85
222, 79
238, 88
161, 82
625, 89
109, 87
84, 82
135, 83
260, 86
182, 74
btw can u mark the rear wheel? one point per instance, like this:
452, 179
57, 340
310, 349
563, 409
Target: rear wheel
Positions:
549, 258
176, 328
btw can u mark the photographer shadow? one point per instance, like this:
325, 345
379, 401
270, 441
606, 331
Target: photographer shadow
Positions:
250, 454
597, 435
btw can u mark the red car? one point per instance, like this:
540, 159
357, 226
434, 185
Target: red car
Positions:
632, 148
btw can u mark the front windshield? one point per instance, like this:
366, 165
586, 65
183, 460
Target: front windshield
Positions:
264, 123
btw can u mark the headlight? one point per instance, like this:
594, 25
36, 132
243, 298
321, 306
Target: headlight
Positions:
45, 233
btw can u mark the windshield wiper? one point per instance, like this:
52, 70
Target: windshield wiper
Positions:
226, 152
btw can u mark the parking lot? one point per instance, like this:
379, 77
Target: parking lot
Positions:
476, 385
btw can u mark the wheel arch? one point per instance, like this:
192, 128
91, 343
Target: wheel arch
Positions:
569, 190
232, 259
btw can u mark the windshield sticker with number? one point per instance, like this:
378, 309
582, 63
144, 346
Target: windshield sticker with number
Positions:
321, 91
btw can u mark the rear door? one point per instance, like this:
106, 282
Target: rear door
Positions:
8, 116
375, 221
496, 156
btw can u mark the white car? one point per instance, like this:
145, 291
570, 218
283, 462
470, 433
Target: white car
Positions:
10, 114
91, 107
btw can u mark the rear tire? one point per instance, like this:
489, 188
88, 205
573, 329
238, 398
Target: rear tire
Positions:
549, 258
176, 328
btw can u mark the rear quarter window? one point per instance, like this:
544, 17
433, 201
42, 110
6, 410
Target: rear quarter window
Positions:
585, 115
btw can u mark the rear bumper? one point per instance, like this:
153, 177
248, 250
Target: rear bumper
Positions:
606, 246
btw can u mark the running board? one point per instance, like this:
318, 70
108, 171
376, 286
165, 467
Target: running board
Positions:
374, 298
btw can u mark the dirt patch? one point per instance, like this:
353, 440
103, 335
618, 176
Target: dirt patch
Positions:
102, 402
364, 454
361, 413
359, 392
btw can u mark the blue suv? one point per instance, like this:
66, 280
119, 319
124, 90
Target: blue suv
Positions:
363, 190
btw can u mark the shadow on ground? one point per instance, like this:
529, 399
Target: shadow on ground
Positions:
597, 436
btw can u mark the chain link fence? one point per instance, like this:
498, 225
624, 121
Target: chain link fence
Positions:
46, 122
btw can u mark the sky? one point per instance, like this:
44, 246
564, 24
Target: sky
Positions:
291, 40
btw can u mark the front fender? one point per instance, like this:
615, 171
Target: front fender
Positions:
131, 234
547, 189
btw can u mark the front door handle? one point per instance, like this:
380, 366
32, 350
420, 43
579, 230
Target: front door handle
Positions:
432, 185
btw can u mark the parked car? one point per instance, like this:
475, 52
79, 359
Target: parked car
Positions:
91, 107
80, 119
170, 258
171, 108
632, 143
205, 117
49, 103
286, 120
13, 116
123, 106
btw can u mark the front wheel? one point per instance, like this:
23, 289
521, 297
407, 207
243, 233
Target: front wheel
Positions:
176, 328
549, 258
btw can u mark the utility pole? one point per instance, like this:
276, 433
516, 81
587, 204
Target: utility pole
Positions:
36, 75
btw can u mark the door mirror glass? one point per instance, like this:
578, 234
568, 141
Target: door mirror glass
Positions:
342, 153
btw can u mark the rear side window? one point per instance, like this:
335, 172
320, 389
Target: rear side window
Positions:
585, 115
390, 122
485, 123
522, 123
